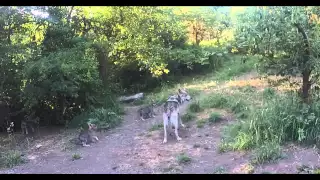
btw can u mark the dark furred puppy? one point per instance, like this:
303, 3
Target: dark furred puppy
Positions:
88, 136
146, 112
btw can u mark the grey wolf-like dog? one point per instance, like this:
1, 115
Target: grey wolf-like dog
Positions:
171, 114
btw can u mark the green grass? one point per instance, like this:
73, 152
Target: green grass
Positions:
188, 117
268, 93
215, 117
156, 127
76, 156
195, 107
269, 152
235, 68
316, 171
215, 100
11, 158
183, 159
247, 89
201, 123
219, 170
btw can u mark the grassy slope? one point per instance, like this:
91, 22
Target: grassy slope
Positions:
265, 118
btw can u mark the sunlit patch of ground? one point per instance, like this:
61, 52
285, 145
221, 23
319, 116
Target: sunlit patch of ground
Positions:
259, 83
207, 112
202, 86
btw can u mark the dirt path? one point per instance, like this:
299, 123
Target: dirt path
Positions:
132, 148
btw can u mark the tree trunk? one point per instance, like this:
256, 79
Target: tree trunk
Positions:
103, 60
306, 84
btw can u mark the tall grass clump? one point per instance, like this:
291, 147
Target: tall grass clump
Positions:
281, 119
236, 103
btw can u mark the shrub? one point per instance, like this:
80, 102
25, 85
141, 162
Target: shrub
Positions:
188, 117
183, 159
201, 123
11, 158
268, 152
195, 107
215, 117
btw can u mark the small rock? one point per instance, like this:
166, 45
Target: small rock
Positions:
206, 135
114, 167
196, 145
206, 147
199, 135
141, 164
38, 146
178, 169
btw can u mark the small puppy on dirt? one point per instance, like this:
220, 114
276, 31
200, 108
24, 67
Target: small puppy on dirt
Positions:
30, 123
88, 136
171, 114
147, 112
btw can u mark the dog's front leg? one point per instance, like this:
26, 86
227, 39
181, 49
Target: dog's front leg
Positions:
142, 119
176, 126
177, 135
96, 138
165, 124
180, 121
84, 144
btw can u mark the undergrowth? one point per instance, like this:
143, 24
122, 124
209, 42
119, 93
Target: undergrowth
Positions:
281, 118
11, 158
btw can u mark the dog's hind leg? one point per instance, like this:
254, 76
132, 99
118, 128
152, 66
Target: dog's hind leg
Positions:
165, 124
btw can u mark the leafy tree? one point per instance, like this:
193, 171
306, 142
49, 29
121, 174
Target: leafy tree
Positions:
287, 38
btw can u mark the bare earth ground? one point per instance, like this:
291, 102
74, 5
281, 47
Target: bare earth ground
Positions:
132, 149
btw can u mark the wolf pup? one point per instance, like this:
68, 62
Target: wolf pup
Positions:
88, 136
147, 112
30, 123
171, 114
